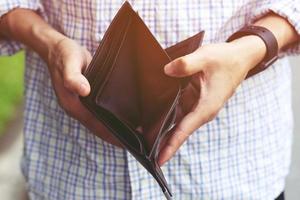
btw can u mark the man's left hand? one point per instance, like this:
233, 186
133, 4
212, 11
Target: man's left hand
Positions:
217, 70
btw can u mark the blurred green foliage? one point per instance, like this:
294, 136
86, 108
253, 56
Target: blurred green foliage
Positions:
11, 86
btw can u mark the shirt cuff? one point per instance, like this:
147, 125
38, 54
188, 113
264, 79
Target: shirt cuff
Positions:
9, 47
290, 10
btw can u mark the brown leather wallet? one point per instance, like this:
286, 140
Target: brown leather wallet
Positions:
130, 93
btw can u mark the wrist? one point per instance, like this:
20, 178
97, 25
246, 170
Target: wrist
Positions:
248, 51
283, 31
46, 40
28, 27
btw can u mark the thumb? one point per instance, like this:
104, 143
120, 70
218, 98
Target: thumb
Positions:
185, 65
74, 80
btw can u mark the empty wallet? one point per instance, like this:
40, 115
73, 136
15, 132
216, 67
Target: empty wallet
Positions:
130, 93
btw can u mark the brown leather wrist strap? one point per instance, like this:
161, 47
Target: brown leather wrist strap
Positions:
269, 40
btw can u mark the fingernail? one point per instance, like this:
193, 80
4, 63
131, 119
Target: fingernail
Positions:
160, 162
162, 157
169, 69
82, 88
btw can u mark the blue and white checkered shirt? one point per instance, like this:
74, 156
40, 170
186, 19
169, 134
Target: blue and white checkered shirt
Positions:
243, 154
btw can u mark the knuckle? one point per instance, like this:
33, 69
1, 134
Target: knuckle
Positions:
180, 136
218, 107
70, 111
86, 122
67, 107
67, 80
172, 145
212, 115
209, 60
206, 119
232, 92
177, 139
182, 62
64, 104
183, 65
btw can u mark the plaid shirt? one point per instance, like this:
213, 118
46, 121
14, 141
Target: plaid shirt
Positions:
244, 153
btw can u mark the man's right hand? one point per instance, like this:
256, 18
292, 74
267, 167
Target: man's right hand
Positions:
66, 61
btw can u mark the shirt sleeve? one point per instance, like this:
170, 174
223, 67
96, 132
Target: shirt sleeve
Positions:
288, 9
9, 47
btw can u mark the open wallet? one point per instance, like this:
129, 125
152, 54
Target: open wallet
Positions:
130, 93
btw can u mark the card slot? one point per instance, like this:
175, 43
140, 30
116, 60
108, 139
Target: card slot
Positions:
97, 66
105, 51
99, 74
108, 36
114, 40
100, 52
109, 67
105, 62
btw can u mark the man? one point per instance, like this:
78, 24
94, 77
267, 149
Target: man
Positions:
242, 153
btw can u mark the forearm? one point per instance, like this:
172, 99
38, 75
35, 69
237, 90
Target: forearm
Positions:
252, 49
283, 31
217, 69
29, 28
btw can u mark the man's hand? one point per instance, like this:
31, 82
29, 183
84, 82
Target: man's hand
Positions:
66, 62
217, 70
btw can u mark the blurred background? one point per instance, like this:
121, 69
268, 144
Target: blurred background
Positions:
12, 186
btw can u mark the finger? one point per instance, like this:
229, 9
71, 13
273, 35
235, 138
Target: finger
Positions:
73, 78
185, 65
190, 96
176, 140
88, 57
192, 121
